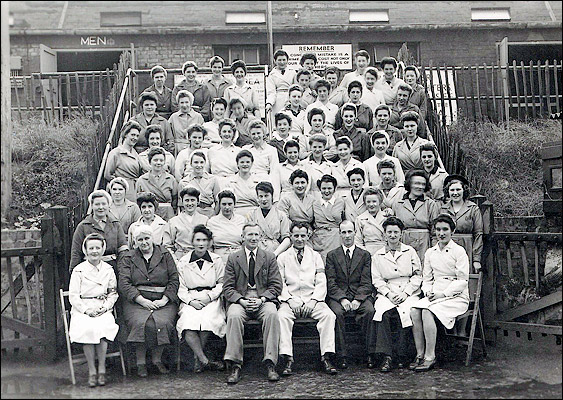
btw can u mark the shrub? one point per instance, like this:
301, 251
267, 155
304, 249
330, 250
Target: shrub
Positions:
507, 162
49, 164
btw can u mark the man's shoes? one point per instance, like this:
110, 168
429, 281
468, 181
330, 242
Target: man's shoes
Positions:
272, 374
328, 367
386, 366
287, 370
215, 365
142, 370
161, 368
371, 361
427, 365
235, 375
343, 363
417, 361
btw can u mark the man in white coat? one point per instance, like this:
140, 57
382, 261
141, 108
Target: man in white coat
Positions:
303, 296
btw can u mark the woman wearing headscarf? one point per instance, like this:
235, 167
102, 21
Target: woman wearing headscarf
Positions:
101, 221
148, 282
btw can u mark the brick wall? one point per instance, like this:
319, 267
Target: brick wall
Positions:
19, 238
171, 51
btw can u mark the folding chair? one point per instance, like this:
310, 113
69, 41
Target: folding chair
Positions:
80, 358
474, 311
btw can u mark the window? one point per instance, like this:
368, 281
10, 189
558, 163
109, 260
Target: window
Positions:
245, 18
379, 50
490, 14
250, 54
120, 18
16, 72
369, 16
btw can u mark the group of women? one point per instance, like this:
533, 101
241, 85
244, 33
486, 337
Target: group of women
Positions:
181, 189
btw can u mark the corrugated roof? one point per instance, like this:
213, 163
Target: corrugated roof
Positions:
200, 16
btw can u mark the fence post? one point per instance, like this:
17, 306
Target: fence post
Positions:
63, 244
488, 294
49, 286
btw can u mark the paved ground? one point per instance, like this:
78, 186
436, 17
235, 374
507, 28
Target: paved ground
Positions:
513, 369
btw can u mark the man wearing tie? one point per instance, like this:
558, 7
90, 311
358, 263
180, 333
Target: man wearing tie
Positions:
303, 296
251, 286
350, 290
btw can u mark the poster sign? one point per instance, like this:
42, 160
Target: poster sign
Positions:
449, 93
255, 79
328, 55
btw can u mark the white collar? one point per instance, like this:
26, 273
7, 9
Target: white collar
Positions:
247, 252
331, 201
349, 248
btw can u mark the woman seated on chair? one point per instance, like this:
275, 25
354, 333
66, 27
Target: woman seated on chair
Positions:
201, 311
92, 294
445, 277
148, 280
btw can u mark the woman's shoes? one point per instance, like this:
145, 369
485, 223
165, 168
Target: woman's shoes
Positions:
427, 365
142, 370
92, 380
101, 379
417, 362
161, 368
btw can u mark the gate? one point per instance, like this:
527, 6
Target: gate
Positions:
29, 317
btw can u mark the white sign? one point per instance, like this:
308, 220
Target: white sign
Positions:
328, 55
449, 93
255, 79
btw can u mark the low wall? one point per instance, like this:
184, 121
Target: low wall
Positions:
536, 223
18, 238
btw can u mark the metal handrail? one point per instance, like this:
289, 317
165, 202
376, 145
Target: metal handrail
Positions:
113, 127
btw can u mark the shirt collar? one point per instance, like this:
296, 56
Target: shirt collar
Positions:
349, 248
331, 201
419, 198
206, 257
247, 252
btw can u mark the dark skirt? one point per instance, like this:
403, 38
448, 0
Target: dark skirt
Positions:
136, 316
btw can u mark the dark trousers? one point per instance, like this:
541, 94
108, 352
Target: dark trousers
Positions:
384, 343
363, 315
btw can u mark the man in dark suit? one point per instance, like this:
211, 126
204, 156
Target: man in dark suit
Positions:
251, 286
350, 289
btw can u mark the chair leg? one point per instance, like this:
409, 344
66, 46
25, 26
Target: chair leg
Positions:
474, 318
482, 329
122, 359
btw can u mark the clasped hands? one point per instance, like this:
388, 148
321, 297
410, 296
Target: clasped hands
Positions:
95, 312
151, 304
397, 298
252, 303
348, 305
301, 309
435, 295
200, 301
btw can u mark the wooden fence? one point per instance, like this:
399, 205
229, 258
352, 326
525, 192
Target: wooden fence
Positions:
59, 95
29, 318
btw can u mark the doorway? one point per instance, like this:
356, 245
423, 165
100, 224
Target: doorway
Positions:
70, 61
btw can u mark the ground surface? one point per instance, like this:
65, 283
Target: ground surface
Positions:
514, 368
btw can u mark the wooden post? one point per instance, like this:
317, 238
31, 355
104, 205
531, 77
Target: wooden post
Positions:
497, 116
487, 93
532, 89
478, 92
63, 244
557, 102
6, 161
547, 88
540, 88
49, 287
525, 84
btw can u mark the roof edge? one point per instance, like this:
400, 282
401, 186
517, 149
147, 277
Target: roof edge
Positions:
282, 29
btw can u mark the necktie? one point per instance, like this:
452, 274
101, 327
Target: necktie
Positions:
199, 263
251, 266
300, 255
282, 71
348, 258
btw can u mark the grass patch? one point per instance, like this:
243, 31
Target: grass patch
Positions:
507, 162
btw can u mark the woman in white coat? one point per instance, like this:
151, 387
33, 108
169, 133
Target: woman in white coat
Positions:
92, 295
201, 311
397, 275
446, 292
278, 82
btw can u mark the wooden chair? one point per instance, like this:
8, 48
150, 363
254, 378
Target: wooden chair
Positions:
80, 358
474, 311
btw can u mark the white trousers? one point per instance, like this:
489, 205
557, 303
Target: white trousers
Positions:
325, 325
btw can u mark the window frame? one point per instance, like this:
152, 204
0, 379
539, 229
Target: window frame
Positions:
233, 13
365, 21
493, 19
